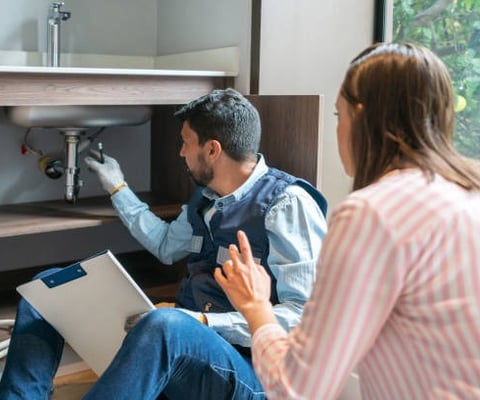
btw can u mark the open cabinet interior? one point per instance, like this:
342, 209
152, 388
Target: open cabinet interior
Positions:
60, 233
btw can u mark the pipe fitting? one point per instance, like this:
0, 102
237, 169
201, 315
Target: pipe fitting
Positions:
51, 166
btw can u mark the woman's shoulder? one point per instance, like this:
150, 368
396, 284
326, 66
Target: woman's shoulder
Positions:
409, 197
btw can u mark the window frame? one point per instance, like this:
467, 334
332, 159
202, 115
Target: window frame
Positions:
383, 21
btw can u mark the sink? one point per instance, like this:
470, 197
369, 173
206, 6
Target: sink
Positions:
77, 117
72, 121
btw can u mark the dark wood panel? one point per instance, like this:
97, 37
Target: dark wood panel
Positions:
255, 37
169, 178
290, 133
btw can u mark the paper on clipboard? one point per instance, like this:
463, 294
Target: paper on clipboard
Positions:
88, 303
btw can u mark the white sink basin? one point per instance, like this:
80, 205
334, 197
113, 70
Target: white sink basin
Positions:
78, 117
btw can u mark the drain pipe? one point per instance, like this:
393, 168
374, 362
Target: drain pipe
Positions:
72, 180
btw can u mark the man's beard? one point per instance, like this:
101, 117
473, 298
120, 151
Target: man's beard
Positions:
204, 174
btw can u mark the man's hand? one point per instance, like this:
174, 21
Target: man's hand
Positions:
109, 173
131, 321
246, 284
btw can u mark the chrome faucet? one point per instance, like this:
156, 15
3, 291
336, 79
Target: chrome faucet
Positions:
54, 19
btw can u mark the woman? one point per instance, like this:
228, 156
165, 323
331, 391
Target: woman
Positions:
397, 294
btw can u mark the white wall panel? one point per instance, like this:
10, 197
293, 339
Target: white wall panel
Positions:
306, 46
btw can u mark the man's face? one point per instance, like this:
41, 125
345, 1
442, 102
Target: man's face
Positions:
195, 157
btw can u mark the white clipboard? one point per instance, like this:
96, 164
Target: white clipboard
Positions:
88, 303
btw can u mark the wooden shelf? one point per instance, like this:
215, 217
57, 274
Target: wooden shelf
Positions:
52, 216
40, 88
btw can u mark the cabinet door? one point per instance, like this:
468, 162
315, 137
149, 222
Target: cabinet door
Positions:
169, 178
291, 133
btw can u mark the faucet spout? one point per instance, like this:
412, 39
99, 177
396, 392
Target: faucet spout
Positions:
55, 16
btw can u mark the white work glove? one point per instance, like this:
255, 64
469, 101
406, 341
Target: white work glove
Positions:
109, 173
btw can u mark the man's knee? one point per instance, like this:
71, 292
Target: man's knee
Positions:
163, 321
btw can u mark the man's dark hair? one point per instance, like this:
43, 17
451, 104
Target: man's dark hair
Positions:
226, 116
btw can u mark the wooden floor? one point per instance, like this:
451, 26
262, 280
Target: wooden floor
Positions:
73, 386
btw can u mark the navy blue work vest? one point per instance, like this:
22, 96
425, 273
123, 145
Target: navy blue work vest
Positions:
199, 291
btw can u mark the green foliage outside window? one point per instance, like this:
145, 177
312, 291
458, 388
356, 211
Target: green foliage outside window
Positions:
450, 28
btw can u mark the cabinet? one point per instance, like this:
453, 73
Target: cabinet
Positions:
290, 141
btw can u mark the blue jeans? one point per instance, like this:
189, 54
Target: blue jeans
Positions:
33, 356
167, 352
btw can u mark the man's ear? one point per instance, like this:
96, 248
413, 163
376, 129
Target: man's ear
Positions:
214, 149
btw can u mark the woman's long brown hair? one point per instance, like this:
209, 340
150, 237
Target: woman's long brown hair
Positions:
406, 116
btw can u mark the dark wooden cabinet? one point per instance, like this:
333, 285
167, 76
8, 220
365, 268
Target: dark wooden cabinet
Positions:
291, 133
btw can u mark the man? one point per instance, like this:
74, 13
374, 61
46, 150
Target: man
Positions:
200, 348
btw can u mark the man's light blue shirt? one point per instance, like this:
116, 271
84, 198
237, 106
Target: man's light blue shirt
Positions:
295, 228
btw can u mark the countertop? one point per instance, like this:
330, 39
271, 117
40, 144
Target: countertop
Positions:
113, 71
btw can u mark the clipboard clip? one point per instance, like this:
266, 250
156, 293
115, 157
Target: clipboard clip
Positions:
67, 274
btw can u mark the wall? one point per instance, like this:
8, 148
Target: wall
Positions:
305, 48
130, 28
117, 27
190, 25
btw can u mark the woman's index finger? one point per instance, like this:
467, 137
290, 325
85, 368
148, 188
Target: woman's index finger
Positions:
245, 249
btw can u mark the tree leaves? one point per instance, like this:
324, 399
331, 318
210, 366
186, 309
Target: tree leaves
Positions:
451, 28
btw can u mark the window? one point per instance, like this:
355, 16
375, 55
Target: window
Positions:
450, 28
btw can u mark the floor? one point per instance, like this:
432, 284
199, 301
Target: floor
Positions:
73, 386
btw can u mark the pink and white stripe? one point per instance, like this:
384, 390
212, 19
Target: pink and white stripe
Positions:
397, 296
